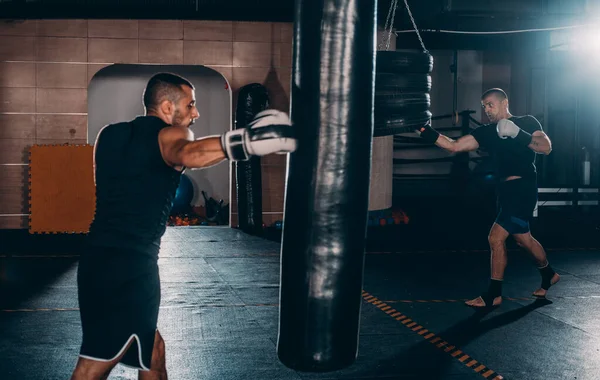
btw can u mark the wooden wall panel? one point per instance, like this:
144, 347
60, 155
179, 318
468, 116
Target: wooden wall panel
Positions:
65, 127
161, 51
273, 185
208, 30
161, 29
13, 222
17, 74
13, 48
253, 31
12, 176
61, 75
113, 28
253, 54
14, 151
62, 28
61, 100
17, 126
14, 200
60, 49
18, 28
17, 100
207, 53
113, 50
13, 190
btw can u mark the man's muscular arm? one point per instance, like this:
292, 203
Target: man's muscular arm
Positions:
540, 143
179, 148
465, 143
269, 132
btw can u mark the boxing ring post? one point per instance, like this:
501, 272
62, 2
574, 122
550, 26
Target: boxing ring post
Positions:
327, 191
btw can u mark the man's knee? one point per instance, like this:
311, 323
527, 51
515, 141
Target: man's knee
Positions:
497, 236
524, 240
158, 353
496, 240
159, 343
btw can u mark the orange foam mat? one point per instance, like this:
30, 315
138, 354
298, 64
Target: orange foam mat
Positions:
62, 194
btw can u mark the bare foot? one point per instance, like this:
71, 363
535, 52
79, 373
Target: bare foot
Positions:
479, 302
541, 293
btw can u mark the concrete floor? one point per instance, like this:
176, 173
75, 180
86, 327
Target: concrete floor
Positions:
219, 314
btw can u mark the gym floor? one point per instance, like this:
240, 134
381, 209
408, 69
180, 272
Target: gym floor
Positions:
219, 313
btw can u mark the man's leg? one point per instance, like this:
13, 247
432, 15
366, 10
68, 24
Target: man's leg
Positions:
158, 368
87, 369
493, 296
535, 249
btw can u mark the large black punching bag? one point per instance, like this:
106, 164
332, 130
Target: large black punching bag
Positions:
252, 99
327, 192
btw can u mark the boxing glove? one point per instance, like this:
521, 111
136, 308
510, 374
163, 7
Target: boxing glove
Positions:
507, 128
269, 132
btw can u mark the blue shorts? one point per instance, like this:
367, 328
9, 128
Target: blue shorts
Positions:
513, 224
517, 199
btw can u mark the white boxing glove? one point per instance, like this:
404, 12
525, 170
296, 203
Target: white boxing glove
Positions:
507, 128
270, 132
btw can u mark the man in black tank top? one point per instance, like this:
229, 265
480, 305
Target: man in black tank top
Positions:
138, 165
513, 143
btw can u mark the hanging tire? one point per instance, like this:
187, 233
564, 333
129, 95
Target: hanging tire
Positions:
392, 103
402, 83
393, 125
403, 62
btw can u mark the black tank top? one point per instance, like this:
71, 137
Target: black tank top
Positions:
135, 188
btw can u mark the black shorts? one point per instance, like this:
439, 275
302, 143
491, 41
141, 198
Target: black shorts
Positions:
119, 298
517, 200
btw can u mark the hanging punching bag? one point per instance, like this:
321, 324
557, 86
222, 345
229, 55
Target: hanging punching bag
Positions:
252, 99
327, 192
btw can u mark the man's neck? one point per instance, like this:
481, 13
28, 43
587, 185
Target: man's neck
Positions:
156, 114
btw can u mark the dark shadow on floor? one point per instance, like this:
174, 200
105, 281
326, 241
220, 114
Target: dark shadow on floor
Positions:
429, 362
21, 278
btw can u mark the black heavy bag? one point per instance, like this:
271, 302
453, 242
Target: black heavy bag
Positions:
252, 99
327, 192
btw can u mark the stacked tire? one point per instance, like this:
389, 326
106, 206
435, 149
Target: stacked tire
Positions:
402, 86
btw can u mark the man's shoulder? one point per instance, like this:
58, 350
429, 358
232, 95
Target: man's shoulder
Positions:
483, 128
117, 125
527, 122
524, 118
172, 132
139, 121
114, 128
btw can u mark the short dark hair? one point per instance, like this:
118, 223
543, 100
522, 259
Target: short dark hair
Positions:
164, 86
495, 91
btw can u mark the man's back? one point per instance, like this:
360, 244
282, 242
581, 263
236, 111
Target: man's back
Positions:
134, 186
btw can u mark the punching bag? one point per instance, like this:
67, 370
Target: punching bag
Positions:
252, 99
327, 191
